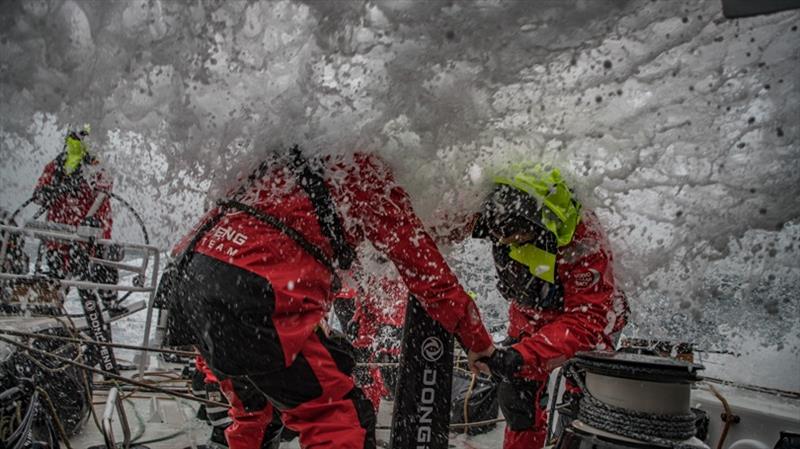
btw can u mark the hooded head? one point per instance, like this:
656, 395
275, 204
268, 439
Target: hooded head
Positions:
529, 200
528, 216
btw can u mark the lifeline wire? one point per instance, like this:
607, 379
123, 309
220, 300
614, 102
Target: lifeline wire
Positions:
114, 376
137, 348
96, 343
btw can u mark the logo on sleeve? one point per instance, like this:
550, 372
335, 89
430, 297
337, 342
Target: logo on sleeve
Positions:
586, 279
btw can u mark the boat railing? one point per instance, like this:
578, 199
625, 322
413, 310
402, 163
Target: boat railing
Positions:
114, 403
146, 271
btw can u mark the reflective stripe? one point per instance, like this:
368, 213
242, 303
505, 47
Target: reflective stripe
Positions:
541, 263
216, 409
221, 422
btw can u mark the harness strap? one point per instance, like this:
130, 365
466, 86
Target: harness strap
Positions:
186, 256
314, 186
329, 222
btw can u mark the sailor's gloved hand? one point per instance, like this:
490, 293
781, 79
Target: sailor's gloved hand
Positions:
477, 360
92, 222
504, 363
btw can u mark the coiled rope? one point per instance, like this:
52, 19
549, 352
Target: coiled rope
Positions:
666, 430
16, 435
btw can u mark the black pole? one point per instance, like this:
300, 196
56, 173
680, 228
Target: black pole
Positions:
421, 415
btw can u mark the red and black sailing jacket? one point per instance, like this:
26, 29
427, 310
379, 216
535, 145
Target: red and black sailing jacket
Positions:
69, 197
593, 309
371, 206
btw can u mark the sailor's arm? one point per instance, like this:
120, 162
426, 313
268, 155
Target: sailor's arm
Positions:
391, 224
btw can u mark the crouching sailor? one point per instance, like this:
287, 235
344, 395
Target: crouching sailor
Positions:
260, 272
554, 266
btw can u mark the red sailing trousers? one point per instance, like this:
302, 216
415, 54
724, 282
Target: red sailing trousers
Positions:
315, 394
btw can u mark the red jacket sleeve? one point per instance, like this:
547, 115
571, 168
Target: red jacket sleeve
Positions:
592, 309
390, 223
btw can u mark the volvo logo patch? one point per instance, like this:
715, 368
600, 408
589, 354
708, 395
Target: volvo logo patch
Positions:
586, 279
432, 349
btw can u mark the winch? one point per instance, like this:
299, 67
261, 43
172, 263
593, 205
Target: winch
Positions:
632, 401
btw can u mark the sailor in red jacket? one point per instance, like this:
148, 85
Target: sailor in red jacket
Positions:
376, 325
74, 190
554, 266
73, 187
259, 274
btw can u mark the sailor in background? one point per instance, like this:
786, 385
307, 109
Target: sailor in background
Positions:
74, 190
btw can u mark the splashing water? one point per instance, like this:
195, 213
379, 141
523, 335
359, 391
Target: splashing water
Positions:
679, 127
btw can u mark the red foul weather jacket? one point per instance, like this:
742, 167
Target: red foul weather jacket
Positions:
382, 303
371, 206
85, 183
593, 308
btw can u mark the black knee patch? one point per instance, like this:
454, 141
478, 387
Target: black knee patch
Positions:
252, 399
230, 316
291, 387
366, 415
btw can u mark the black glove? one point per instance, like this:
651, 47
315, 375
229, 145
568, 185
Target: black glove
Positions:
92, 222
44, 195
504, 363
